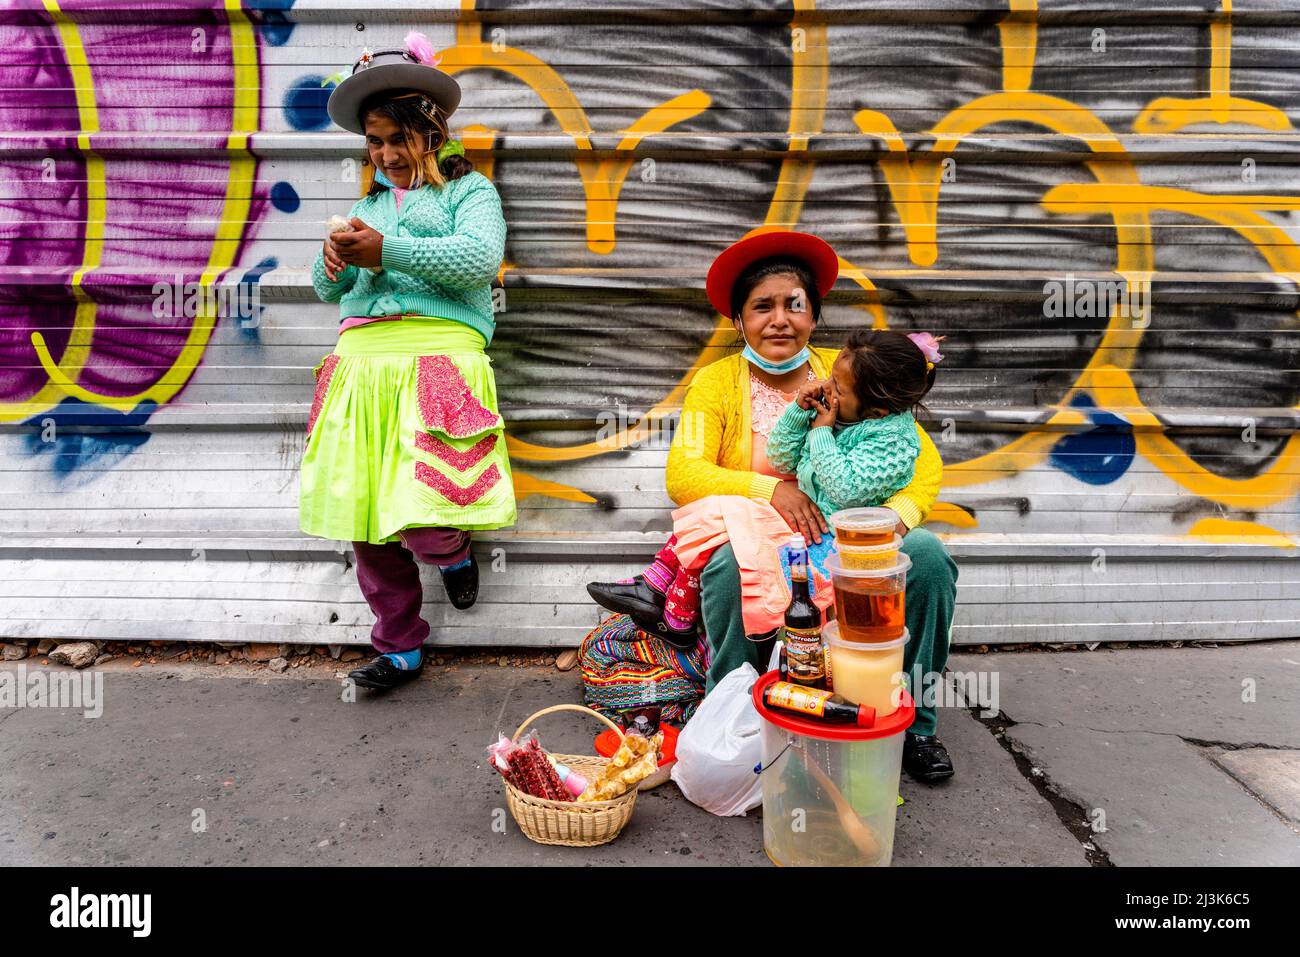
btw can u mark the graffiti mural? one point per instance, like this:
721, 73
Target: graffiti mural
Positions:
1100, 216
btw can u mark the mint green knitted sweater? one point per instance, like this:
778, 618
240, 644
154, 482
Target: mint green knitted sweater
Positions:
441, 252
863, 464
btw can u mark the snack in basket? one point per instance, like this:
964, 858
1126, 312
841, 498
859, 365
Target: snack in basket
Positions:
636, 759
528, 768
574, 782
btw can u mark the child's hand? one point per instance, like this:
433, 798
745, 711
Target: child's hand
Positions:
827, 415
333, 265
361, 247
809, 392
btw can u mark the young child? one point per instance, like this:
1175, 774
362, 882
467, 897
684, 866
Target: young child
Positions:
406, 453
851, 441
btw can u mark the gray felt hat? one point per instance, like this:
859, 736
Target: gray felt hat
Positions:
389, 70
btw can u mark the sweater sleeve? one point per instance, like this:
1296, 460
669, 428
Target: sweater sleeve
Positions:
914, 502
467, 259
786, 441
868, 473
693, 471
336, 290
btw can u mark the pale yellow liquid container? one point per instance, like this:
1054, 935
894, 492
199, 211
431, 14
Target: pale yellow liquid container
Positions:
870, 674
830, 791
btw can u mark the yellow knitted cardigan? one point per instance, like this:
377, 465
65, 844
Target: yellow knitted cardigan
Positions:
711, 450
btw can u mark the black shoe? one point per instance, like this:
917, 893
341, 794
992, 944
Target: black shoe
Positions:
925, 759
383, 674
462, 584
655, 625
635, 599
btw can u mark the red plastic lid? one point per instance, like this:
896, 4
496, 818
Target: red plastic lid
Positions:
607, 744
890, 724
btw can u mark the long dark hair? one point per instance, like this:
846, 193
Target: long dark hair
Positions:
889, 371
426, 131
760, 269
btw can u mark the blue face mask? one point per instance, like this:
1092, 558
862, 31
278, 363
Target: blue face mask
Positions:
775, 368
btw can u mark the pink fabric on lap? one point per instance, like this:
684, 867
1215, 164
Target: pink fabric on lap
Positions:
755, 530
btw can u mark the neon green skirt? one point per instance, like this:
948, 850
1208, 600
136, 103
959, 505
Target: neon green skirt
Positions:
404, 432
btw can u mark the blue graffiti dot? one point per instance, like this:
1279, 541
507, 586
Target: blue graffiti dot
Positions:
284, 197
274, 27
304, 104
1100, 455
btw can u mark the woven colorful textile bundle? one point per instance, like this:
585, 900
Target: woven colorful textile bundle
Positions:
623, 667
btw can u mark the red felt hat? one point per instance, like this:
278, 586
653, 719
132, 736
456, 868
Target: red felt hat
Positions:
761, 243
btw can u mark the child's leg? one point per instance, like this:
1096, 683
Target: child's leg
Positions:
390, 581
682, 607
661, 571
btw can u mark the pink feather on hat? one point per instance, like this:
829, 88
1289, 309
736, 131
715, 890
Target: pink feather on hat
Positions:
420, 47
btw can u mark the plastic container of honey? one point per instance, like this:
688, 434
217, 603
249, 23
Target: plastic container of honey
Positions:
870, 556
870, 674
869, 601
864, 526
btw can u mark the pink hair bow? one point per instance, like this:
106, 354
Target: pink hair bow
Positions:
419, 46
928, 345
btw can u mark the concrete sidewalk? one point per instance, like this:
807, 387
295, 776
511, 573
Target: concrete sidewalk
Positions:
282, 772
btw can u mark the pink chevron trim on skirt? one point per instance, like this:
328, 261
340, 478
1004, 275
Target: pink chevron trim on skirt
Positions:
448, 489
446, 402
326, 370
457, 459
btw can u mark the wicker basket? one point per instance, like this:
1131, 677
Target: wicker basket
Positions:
568, 822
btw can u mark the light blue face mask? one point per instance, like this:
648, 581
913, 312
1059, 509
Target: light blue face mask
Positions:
775, 368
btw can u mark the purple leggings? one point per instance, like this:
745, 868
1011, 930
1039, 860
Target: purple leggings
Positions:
390, 580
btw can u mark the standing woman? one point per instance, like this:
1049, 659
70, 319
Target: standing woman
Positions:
405, 453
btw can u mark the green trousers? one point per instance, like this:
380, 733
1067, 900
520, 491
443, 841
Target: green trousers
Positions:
931, 598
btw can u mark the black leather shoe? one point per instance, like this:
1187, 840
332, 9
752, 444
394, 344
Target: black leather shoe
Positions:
383, 674
925, 759
635, 599
655, 625
462, 584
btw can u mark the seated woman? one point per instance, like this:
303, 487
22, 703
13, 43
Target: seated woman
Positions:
850, 441
770, 284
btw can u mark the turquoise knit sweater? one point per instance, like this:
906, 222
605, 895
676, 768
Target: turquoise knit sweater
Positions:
863, 464
441, 252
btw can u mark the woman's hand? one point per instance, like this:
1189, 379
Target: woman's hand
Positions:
361, 247
799, 511
826, 416
809, 392
333, 265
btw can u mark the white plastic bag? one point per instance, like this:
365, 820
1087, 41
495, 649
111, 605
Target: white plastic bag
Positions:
719, 747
